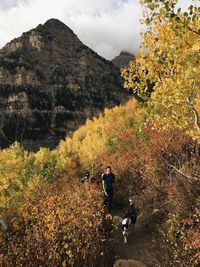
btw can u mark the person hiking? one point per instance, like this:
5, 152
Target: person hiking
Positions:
108, 180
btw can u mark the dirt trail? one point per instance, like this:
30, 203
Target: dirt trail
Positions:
139, 246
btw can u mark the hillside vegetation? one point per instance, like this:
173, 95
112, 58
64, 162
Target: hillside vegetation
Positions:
153, 147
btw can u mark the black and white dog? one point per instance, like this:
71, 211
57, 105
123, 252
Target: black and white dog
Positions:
128, 221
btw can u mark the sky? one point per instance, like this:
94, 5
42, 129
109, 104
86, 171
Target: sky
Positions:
106, 26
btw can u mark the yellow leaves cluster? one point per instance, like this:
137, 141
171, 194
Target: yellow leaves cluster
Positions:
196, 46
13, 173
169, 61
22, 172
97, 136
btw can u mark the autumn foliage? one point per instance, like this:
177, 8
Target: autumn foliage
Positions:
165, 73
152, 146
60, 226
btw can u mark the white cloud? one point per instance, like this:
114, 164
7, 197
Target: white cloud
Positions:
106, 26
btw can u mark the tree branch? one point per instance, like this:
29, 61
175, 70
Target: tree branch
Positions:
197, 119
3, 225
179, 171
196, 114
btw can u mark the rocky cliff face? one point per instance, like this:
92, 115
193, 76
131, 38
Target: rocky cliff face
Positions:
123, 59
50, 82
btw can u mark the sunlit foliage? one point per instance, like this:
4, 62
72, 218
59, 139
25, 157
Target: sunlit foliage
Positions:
152, 146
169, 61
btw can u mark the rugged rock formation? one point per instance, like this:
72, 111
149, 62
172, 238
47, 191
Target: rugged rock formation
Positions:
50, 82
123, 59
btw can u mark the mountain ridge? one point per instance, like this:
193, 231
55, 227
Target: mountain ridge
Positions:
50, 83
123, 59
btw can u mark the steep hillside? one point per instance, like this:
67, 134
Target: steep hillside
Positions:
50, 82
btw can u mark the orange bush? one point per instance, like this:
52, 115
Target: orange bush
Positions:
62, 227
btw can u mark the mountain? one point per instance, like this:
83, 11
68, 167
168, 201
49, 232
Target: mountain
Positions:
50, 83
123, 59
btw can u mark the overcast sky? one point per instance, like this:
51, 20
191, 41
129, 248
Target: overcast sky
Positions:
106, 26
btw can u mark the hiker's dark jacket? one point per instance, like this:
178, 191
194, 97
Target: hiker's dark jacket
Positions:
109, 180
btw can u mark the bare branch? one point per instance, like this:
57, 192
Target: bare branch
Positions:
196, 114
179, 171
3, 225
1, 131
197, 119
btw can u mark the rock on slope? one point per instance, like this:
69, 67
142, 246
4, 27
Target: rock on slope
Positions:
123, 59
50, 82
129, 263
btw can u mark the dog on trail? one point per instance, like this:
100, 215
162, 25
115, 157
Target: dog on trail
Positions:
128, 221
